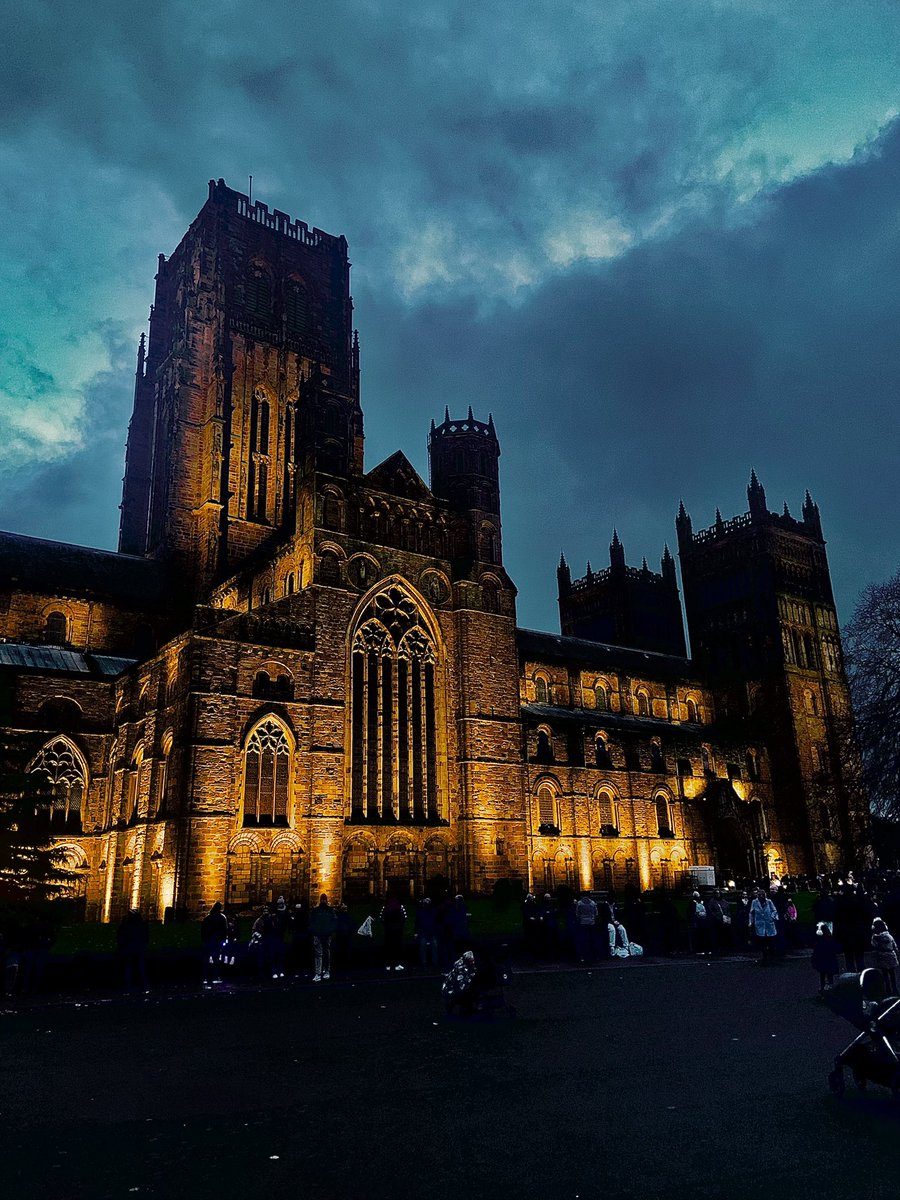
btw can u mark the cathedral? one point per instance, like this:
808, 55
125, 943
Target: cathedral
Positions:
302, 675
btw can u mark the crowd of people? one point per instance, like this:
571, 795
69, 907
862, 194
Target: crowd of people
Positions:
852, 918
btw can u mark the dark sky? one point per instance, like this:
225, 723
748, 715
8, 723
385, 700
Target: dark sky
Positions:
659, 241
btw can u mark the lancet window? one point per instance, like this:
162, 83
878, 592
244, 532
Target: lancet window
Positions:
64, 769
258, 472
394, 764
267, 775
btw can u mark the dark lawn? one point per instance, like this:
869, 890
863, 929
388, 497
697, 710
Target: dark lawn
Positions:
673, 1079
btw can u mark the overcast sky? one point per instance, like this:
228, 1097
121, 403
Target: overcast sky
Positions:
659, 241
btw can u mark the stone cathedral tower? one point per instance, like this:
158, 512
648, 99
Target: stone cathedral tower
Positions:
764, 630
248, 384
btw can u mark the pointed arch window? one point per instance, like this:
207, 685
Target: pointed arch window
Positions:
258, 293
64, 770
541, 690
693, 712
267, 774
642, 704
601, 698
394, 707
296, 306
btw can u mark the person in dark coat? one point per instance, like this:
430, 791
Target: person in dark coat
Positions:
393, 918
132, 939
740, 922
426, 932
459, 920
851, 927
322, 924
213, 935
825, 955
531, 924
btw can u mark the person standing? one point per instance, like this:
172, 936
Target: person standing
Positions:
885, 955
213, 934
132, 938
459, 919
824, 955
393, 919
426, 932
585, 928
740, 921
322, 924
764, 917
699, 925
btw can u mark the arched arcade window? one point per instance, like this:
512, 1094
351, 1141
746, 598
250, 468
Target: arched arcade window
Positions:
56, 629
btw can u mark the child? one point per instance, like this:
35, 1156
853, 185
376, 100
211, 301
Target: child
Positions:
824, 955
885, 955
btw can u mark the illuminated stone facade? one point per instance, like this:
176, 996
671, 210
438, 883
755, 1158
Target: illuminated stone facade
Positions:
298, 676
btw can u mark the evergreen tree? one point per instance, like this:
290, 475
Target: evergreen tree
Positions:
31, 867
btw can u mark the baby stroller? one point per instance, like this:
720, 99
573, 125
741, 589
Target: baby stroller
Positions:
871, 1057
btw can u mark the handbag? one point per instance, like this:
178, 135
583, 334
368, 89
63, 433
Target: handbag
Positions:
365, 930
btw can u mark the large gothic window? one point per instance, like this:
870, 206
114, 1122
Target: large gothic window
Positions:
267, 774
394, 771
64, 768
258, 471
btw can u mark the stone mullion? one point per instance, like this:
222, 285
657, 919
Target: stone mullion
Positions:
407, 699
365, 737
395, 742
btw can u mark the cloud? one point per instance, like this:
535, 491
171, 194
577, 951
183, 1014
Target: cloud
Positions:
593, 220
621, 386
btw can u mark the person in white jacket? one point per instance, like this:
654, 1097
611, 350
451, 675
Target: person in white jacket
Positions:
763, 918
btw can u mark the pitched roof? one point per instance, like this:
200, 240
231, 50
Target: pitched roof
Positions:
551, 647
61, 569
399, 477
55, 658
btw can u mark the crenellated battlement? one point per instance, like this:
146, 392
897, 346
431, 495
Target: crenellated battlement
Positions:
279, 222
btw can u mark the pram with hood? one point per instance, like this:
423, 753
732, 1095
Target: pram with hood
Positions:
870, 1057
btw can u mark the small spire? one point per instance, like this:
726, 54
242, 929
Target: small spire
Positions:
562, 560
786, 512
589, 574
491, 422
644, 566
447, 414
142, 346
718, 516
432, 424
615, 537
667, 555
470, 416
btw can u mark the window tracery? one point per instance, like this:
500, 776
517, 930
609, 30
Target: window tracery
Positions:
62, 765
394, 769
267, 773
